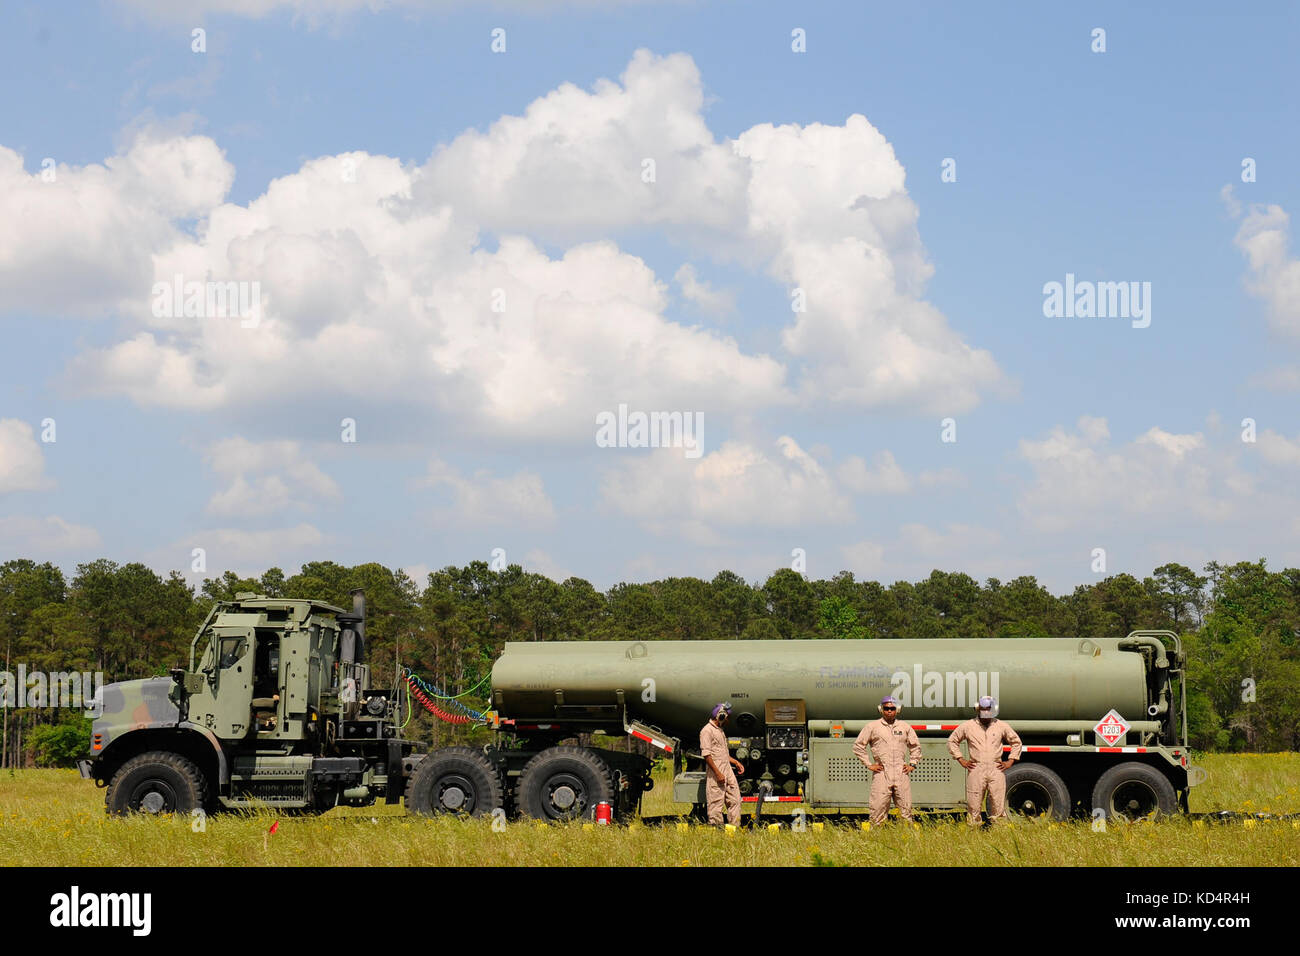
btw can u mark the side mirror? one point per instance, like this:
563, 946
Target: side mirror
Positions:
187, 682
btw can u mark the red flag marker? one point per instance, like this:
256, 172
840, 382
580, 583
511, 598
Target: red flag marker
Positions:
275, 826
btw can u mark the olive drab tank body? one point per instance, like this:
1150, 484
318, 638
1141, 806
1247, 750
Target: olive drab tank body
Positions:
673, 684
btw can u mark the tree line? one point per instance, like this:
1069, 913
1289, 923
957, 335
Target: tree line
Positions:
1240, 624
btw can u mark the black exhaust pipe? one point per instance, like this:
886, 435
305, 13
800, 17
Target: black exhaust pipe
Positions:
359, 612
352, 638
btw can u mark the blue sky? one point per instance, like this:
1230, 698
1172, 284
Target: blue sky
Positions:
521, 170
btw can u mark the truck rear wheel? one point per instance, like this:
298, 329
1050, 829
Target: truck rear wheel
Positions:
455, 780
564, 783
156, 782
1131, 791
1035, 791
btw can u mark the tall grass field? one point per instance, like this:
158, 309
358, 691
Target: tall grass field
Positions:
54, 818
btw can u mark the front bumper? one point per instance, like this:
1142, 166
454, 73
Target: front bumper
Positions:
85, 768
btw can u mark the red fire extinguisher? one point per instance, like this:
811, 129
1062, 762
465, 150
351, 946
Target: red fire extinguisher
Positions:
604, 813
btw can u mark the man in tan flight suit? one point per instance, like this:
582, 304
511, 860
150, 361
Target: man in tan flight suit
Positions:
985, 735
721, 792
897, 751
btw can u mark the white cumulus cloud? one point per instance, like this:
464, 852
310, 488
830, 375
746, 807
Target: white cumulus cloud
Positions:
716, 302
82, 241
1278, 449
377, 277
33, 537
266, 478
885, 478
1080, 479
22, 465
735, 487
483, 498
1274, 276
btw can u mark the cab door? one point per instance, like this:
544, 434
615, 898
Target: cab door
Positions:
233, 687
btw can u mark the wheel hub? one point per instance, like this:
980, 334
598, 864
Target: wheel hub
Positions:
1135, 800
153, 802
563, 797
1030, 799
456, 794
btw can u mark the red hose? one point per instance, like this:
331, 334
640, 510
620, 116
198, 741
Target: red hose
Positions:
433, 708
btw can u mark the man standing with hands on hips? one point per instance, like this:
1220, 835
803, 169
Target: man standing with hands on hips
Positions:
985, 735
721, 792
897, 751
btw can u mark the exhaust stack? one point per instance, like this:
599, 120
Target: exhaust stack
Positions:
359, 611
352, 639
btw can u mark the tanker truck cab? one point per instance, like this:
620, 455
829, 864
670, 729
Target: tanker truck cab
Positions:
274, 710
244, 690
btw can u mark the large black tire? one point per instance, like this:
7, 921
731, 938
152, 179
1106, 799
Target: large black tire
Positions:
564, 783
1131, 791
1036, 791
455, 780
157, 782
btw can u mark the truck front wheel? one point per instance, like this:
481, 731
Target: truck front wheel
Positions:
455, 780
156, 782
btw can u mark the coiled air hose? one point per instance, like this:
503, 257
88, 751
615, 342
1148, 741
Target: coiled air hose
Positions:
426, 694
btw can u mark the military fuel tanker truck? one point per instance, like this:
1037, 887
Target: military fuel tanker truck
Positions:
277, 709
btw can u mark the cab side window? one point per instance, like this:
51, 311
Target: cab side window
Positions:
232, 649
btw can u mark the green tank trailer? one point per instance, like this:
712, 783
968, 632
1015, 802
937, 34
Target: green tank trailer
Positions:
798, 706
277, 709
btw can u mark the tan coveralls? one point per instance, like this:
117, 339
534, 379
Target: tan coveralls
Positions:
893, 745
985, 749
720, 798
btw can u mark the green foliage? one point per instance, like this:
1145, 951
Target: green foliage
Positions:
760, 629
60, 744
839, 619
790, 601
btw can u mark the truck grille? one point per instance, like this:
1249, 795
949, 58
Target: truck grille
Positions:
269, 791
